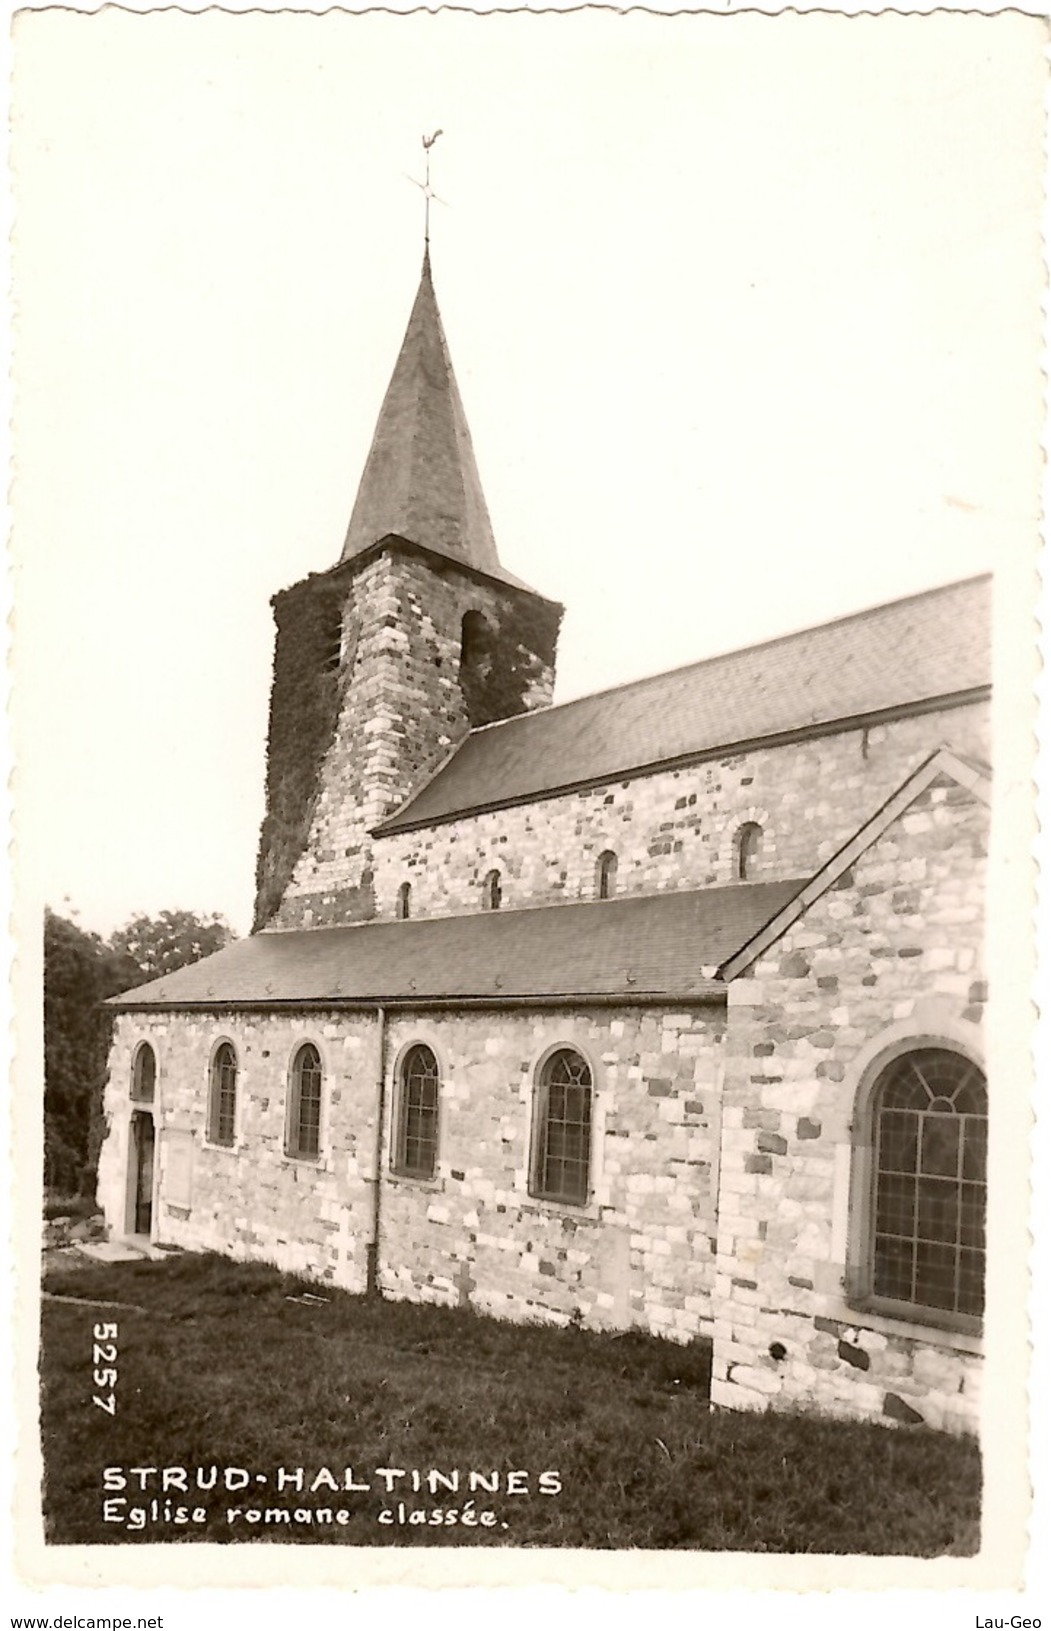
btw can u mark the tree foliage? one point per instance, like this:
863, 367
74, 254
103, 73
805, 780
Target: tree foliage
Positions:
159, 945
80, 971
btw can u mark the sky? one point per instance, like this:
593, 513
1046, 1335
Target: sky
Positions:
744, 312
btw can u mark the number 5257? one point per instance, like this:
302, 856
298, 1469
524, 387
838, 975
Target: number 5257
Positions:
104, 1361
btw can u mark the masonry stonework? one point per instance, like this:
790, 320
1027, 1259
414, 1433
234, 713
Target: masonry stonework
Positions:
895, 948
252, 1200
674, 829
409, 693
721, 1200
641, 1252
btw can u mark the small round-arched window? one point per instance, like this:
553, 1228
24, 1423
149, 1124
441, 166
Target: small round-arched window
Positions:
606, 875
492, 891
746, 849
144, 1073
562, 1137
404, 901
929, 1120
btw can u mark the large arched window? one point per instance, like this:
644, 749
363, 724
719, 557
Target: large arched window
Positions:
606, 875
746, 849
415, 1149
404, 901
144, 1074
303, 1139
926, 1250
222, 1096
561, 1168
492, 892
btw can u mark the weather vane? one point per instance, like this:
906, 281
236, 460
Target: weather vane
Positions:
426, 188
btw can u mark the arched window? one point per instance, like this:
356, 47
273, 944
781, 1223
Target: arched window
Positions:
926, 1250
606, 875
492, 893
562, 1128
222, 1096
144, 1073
746, 849
303, 1140
404, 901
416, 1121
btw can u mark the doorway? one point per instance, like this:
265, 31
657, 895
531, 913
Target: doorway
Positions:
140, 1207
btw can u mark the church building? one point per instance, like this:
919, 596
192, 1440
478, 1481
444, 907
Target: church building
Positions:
658, 1008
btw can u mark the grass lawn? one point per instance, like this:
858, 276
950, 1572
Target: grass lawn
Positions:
223, 1371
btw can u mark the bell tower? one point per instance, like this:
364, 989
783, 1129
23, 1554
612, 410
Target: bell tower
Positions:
385, 662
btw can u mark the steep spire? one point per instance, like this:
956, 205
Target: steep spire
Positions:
420, 479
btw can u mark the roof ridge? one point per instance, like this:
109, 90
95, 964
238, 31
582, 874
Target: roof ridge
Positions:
733, 651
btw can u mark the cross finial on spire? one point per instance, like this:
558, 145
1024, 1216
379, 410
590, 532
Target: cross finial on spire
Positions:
426, 189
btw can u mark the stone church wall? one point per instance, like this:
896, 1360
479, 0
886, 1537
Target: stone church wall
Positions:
252, 1201
640, 1253
895, 951
674, 829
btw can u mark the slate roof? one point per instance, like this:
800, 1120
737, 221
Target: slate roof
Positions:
893, 657
420, 480
636, 946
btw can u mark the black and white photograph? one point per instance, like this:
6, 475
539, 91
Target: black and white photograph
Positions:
525, 538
